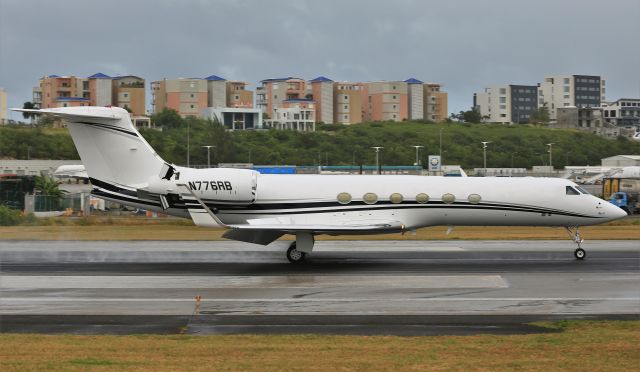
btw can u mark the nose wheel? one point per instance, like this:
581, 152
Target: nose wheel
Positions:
574, 233
294, 255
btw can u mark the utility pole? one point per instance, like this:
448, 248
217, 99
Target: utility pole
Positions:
550, 154
418, 147
377, 148
208, 155
484, 151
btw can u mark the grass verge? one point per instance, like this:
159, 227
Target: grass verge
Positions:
582, 345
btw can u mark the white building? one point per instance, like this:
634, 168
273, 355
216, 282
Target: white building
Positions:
416, 98
571, 90
624, 112
298, 115
235, 118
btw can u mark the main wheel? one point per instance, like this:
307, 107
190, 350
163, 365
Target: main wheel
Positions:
580, 254
294, 255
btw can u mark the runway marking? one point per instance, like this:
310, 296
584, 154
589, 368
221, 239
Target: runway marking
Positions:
259, 282
432, 299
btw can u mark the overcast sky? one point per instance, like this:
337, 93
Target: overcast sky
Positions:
464, 45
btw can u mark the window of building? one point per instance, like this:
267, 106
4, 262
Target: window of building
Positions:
346, 97
566, 80
346, 107
394, 97
503, 99
125, 95
192, 106
503, 115
503, 90
236, 97
394, 107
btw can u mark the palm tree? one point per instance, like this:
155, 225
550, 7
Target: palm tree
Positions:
47, 186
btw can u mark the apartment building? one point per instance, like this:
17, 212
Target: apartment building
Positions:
237, 96
3, 107
507, 103
624, 112
96, 90
348, 101
436, 103
387, 101
273, 92
571, 90
128, 92
322, 90
188, 96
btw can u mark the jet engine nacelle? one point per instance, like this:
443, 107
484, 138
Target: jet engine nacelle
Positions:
223, 185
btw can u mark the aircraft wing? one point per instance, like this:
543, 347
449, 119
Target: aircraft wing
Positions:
265, 231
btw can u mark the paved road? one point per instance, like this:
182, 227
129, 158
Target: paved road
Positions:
359, 287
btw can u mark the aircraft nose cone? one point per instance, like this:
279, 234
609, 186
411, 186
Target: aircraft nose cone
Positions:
615, 212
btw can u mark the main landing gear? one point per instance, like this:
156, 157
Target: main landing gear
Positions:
574, 234
294, 255
300, 247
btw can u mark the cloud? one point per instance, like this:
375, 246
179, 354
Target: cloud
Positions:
464, 44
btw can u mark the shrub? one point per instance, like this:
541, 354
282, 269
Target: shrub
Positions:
9, 216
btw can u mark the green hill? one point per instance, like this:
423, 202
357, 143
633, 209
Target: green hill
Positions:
345, 145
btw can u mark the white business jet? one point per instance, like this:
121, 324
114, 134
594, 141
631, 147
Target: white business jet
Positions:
259, 208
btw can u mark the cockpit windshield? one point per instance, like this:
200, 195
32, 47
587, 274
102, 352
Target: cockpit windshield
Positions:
582, 190
571, 191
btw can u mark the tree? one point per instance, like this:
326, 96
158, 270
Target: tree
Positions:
49, 187
469, 116
540, 116
167, 118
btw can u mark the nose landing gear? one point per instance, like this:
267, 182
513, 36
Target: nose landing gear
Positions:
574, 234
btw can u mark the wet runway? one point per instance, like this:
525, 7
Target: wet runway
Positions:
352, 287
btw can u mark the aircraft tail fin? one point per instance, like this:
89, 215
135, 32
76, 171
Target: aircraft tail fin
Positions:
110, 147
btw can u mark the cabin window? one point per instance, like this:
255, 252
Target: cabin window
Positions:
344, 198
572, 191
422, 198
370, 198
396, 198
474, 198
448, 198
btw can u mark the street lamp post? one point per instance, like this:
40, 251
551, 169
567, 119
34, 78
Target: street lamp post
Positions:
484, 155
550, 154
377, 148
188, 145
417, 147
208, 155
440, 153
